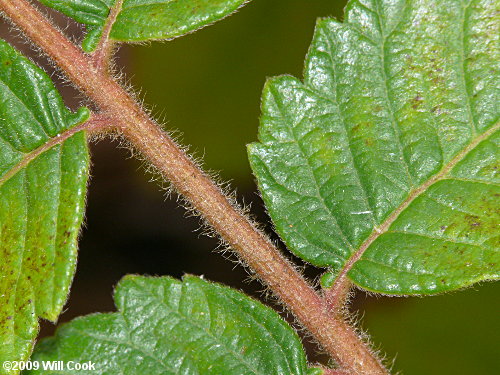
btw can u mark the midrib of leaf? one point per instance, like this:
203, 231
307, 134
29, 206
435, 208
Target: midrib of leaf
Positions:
111, 19
32, 155
415, 193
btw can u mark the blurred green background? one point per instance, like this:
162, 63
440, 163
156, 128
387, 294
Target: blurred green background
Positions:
206, 87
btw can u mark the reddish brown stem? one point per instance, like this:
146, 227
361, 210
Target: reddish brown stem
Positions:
253, 247
336, 296
104, 50
329, 371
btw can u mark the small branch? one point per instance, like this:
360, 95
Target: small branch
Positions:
104, 50
99, 123
252, 246
336, 296
95, 124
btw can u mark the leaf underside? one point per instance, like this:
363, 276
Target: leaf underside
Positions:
41, 201
383, 162
165, 326
143, 20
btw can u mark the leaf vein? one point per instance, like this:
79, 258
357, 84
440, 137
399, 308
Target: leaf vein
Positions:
319, 196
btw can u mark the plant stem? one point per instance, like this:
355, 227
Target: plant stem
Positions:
329, 371
337, 296
253, 247
104, 50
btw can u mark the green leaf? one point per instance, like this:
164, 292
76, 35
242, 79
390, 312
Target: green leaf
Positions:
43, 177
383, 162
165, 326
143, 20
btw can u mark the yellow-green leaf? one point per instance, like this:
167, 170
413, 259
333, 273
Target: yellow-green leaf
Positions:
165, 326
43, 176
383, 162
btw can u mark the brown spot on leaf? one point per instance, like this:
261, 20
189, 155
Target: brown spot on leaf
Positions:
473, 220
436, 110
361, 126
417, 100
369, 141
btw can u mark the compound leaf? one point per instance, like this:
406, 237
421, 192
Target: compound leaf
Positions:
383, 162
142, 20
43, 176
165, 326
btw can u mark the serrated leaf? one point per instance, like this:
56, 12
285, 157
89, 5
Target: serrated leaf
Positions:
143, 20
42, 192
165, 326
383, 162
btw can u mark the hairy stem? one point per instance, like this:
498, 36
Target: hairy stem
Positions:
104, 50
337, 296
252, 246
329, 371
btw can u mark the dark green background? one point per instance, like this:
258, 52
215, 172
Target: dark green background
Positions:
206, 87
